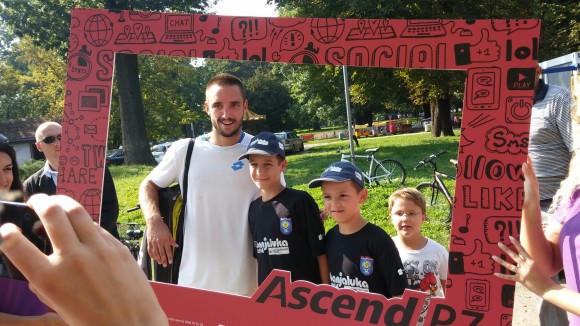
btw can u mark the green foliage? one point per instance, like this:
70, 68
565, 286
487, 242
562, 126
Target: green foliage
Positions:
268, 96
166, 96
32, 82
29, 168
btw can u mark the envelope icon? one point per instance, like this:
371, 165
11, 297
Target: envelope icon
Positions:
90, 129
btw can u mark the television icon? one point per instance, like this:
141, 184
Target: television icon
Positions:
178, 29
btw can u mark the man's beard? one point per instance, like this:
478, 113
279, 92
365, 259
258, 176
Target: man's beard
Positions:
223, 133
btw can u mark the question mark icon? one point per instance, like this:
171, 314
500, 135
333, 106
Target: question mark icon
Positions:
497, 226
245, 26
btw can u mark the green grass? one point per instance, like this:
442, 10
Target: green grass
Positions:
407, 149
127, 180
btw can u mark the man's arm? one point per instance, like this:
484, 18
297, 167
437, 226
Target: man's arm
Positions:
27, 187
159, 238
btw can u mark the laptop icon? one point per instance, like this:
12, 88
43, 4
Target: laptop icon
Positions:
424, 28
178, 29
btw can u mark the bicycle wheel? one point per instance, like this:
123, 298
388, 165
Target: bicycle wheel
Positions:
438, 208
389, 173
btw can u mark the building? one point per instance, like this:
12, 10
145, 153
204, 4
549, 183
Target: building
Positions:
20, 133
563, 71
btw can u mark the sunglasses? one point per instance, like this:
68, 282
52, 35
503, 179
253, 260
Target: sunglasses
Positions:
50, 139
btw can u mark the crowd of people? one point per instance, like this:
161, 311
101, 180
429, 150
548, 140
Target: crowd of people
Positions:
250, 219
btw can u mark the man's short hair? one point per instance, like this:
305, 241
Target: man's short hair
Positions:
227, 79
38, 134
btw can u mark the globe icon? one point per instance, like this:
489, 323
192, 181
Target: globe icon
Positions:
327, 30
91, 200
98, 30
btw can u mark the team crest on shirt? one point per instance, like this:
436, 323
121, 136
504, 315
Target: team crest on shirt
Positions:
366, 265
285, 225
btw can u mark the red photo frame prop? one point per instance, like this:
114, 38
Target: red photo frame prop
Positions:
500, 57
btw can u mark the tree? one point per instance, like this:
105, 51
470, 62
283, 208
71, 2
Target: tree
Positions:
559, 37
268, 96
318, 94
47, 24
31, 82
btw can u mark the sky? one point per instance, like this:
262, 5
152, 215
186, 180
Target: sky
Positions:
252, 8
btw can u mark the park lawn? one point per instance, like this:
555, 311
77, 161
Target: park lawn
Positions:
303, 167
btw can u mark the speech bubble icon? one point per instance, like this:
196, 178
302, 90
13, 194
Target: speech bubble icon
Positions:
512, 25
484, 80
292, 40
498, 228
481, 93
249, 28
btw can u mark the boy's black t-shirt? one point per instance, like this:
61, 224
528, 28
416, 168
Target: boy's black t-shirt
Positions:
288, 234
367, 260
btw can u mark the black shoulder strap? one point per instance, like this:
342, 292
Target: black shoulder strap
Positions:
180, 222
186, 170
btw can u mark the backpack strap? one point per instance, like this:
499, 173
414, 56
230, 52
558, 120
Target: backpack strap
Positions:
179, 234
186, 171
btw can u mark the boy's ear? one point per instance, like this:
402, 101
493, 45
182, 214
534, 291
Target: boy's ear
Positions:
363, 195
284, 165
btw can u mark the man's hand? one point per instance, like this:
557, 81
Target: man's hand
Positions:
160, 242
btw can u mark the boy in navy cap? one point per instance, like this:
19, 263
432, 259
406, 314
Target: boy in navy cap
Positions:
285, 224
361, 256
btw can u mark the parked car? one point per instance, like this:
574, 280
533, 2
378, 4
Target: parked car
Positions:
292, 143
115, 156
159, 150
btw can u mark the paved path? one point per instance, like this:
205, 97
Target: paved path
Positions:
524, 308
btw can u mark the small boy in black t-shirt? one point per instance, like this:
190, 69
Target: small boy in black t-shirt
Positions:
361, 256
285, 224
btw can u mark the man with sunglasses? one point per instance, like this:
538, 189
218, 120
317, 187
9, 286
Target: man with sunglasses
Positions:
45, 180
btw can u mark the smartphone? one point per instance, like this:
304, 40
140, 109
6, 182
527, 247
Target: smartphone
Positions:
29, 223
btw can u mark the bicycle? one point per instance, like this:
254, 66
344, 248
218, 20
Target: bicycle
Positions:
438, 198
387, 172
131, 238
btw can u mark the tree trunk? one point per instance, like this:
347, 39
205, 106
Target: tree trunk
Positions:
435, 120
368, 117
426, 110
444, 106
135, 145
441, 117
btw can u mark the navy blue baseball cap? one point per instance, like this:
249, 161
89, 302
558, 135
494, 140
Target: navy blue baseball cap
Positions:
339, 172
265, 143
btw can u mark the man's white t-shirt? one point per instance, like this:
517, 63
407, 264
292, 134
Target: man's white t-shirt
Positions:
217, 250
